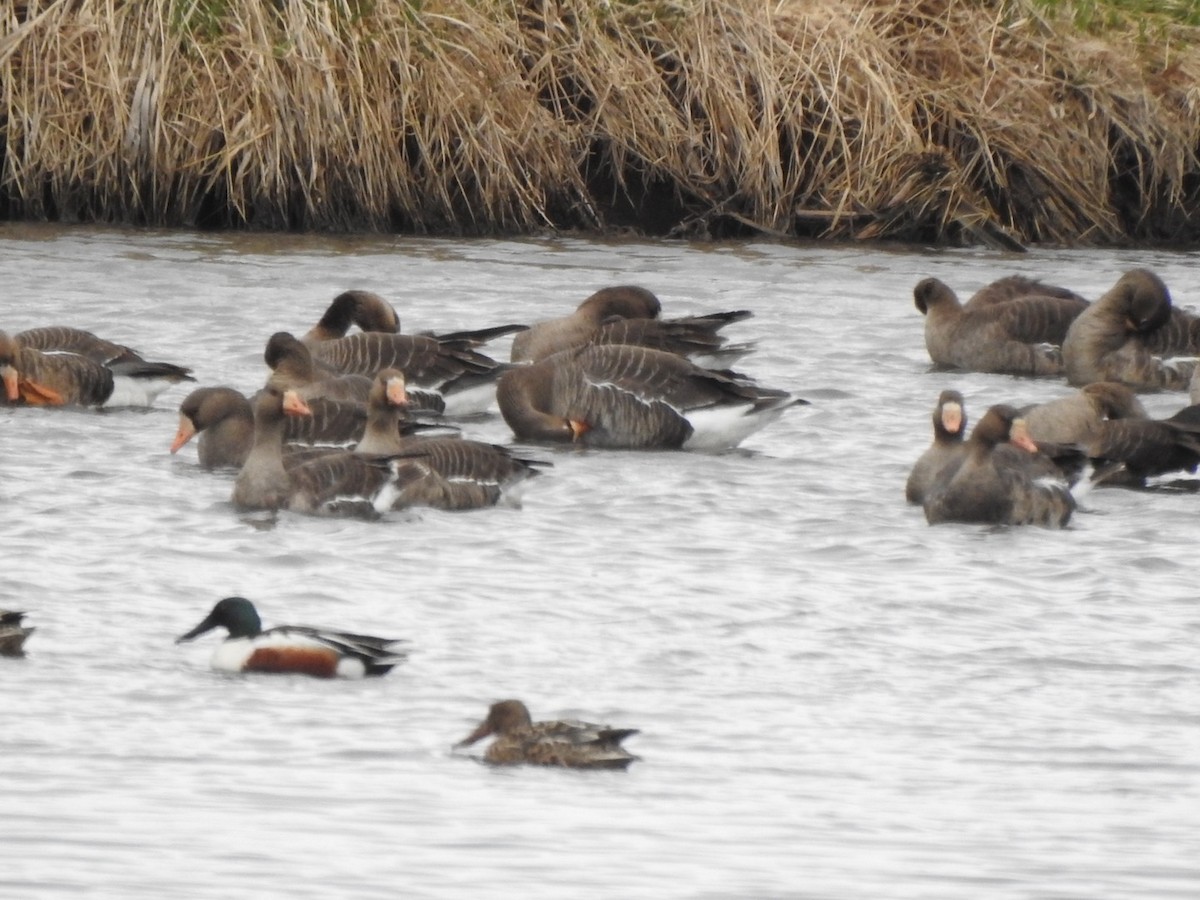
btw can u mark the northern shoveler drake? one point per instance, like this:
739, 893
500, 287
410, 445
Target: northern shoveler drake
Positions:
292, 648
578, 745
13, 633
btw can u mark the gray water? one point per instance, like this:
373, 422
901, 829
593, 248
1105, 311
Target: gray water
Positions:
836, 700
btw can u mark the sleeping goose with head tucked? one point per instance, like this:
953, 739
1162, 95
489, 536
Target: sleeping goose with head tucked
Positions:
627, 314
1010, 337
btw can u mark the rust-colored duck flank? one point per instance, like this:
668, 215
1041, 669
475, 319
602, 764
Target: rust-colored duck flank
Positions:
577, 745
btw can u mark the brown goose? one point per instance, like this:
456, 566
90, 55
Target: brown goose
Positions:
578, 745
366, 309
1018, 287
293, 368
949, 429
464, 474
13, 633
63, 339
1077, 419
1011, 337
68, 379
619, 396
1179, 337
1133, 450
224, 420
337, 483
625, 301
629, 315
1107, 342
1001, 480
449, 365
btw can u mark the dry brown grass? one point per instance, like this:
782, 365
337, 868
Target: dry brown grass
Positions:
946, 120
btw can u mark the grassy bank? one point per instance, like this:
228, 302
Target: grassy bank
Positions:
942, 120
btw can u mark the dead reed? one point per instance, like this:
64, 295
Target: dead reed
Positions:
937, 120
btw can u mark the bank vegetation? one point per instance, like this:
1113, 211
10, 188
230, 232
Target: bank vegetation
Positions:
953, 121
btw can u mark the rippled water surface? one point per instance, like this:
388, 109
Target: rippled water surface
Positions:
836, 700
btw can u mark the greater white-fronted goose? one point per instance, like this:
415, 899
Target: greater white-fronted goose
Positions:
449, 365
1129, 451
949, 431
64, 339
294, 370
68, 379
1001, 480
1010, 337
1107, 342
224, 420
619, 396
629, 315
1179, 337
337, 483
465, 474
366, 309
1066, 306
1076, 419
623, 301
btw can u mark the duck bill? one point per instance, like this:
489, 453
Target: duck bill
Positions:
294, 405
482, 731
207, 625
186, 432
1020, 436
11, 383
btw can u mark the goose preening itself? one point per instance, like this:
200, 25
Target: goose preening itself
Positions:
949, 431
1001, 479
620, 396
366, 309
463, 474
64, 378
1013, 337
627, 314
577, 745
297, 649
625, 301
13, 633
1108, 341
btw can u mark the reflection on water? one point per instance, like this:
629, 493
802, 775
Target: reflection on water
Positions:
835, 699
